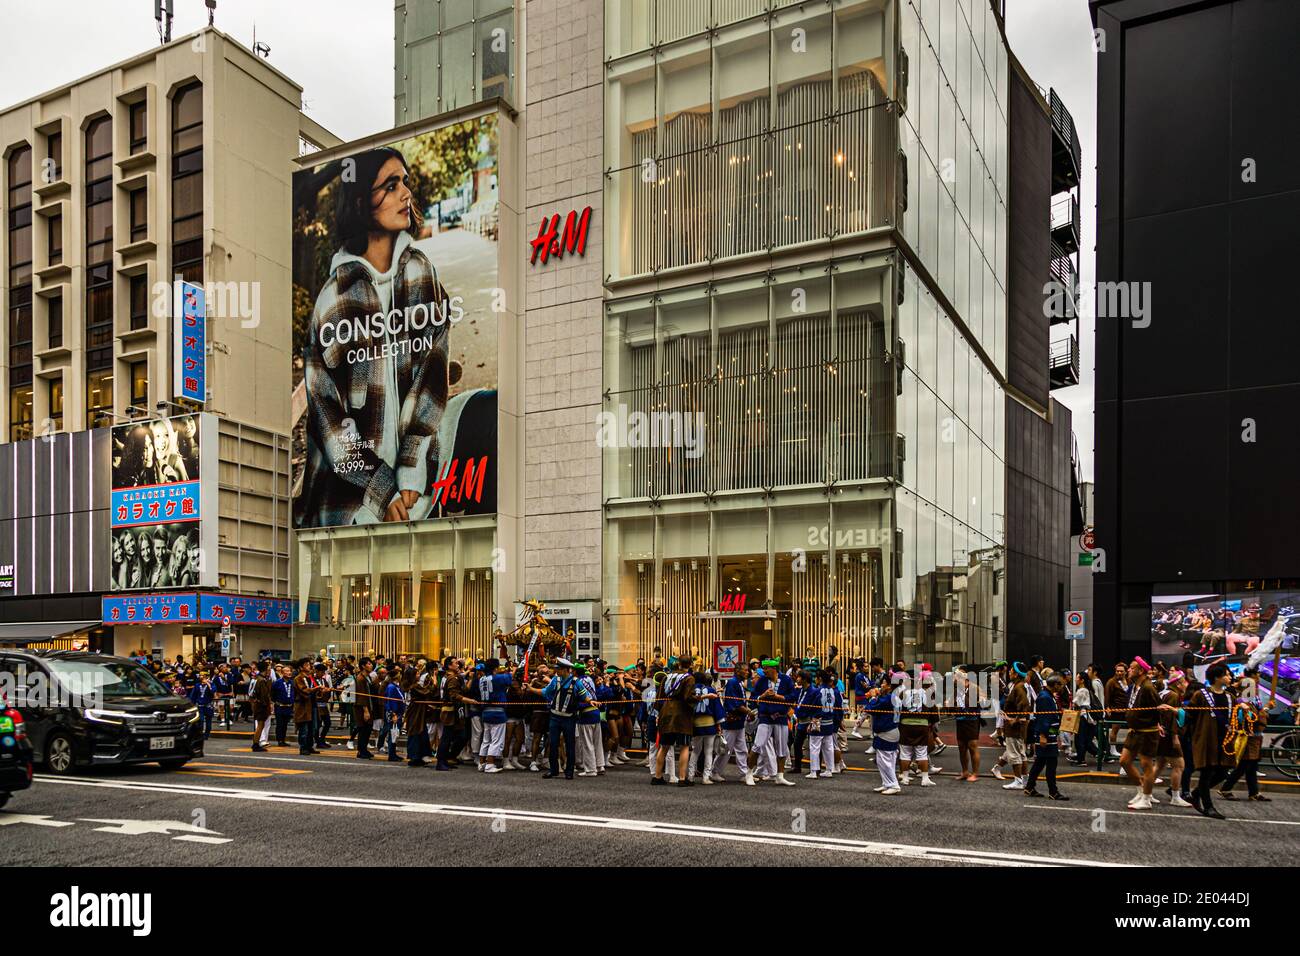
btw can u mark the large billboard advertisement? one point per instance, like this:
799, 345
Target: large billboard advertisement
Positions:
1242, 629
156, 504
395, 306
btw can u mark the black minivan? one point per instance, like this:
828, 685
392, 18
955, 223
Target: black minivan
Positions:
88, 710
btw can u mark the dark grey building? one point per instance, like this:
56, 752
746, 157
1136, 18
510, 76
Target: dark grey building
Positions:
1042, 355
1197, 402
54, 534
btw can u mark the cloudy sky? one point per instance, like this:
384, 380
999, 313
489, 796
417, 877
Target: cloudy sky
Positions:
342, 56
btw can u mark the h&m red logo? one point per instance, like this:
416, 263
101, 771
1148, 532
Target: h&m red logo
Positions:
551, 242
732, 602
383, 612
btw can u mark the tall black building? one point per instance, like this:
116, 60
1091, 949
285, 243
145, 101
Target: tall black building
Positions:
1197, 444
1042, 503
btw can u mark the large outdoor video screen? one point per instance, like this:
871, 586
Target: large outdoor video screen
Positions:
395, 305
1242, 629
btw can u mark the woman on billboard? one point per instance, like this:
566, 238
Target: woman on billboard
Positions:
375, 363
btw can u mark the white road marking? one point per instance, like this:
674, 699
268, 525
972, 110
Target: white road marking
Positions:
1193, 815
10, 819
165, 827
803, 841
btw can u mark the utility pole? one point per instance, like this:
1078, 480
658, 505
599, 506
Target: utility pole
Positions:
162, 13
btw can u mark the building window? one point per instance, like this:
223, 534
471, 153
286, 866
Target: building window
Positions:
54, 247
54, 321
139, 215
55, 387
99, 396
187, 183
20, 413
99, 270
139, 127
20, 293
140, 384
54, 153
139, 302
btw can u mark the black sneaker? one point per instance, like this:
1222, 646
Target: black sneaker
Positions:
1213, 814
549, 775
1031, 792
1059, 796
658, 782
365, 755
686, 782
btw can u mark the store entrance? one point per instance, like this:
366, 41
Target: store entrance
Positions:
763, 637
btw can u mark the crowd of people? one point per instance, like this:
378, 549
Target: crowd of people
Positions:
767, 720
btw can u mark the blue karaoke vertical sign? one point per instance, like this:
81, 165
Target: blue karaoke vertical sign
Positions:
190, 367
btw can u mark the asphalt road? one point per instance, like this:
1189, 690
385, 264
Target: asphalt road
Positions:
236, 807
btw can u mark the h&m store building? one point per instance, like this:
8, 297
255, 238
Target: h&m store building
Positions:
765, 401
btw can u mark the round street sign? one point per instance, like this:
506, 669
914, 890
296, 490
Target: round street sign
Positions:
1074, 619
225, 623
1088, 540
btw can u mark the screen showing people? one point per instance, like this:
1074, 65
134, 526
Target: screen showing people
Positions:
1249, 631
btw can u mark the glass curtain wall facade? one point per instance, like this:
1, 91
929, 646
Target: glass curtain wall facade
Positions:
799, 455
442, 582
733, 129
451, 53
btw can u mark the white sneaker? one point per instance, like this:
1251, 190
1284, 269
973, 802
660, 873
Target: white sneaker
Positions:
1136, 797
491, 768
811, 776
533, 767
706, 780
780, 778
926, 781
855, 735
592, 773
890, 792
935, 770
1143, 804
749, 780
672, 780
880, 789
352, 745
1158, 781
825, 775
505, 765
1178, 801
997, 772
1015, 784
870, 751
905, 779
839, 767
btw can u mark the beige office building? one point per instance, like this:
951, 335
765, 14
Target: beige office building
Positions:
176, 162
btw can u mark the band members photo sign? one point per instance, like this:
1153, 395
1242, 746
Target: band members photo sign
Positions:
157, 502
395, 303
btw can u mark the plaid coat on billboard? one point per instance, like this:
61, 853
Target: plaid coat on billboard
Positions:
347, 403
